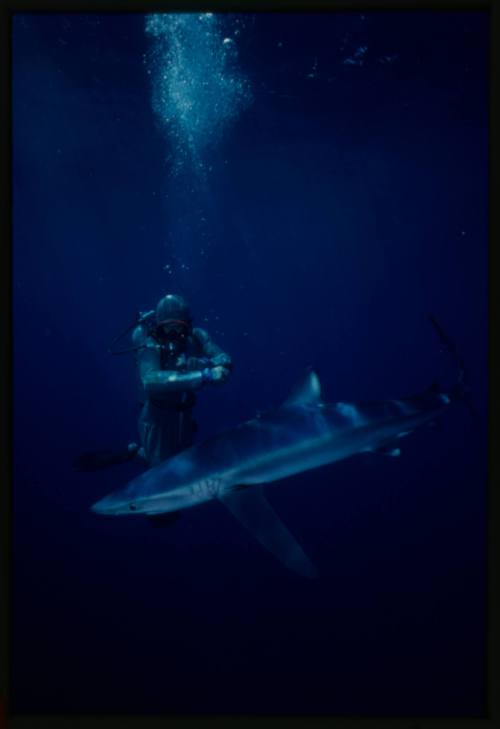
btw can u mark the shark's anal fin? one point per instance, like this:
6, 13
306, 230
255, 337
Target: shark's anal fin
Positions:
389, 450
252, 509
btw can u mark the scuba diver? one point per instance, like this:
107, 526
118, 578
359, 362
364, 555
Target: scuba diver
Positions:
174, 360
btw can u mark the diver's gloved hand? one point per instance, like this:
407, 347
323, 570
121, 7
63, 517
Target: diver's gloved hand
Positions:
221, 360
181, 362
217, 375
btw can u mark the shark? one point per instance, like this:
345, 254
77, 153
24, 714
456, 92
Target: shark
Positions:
302, 434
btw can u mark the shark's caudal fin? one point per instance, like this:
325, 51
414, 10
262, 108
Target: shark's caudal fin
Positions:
460, 392
307, 391
252, 509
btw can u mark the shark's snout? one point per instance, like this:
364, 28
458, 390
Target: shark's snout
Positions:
103, 506
113, 505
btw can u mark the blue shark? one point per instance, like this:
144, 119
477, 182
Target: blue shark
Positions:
302, 434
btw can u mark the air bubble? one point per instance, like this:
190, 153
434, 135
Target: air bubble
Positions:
197, 89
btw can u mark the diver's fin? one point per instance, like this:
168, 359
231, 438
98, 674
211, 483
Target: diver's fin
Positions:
95, 460
307, 391
252, 509
163, 520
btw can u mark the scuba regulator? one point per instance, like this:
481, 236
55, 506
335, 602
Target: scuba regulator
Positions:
171, 342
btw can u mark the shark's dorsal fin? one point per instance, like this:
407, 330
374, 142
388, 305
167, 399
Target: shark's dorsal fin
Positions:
307, 391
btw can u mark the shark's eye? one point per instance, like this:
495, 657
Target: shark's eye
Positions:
132, 507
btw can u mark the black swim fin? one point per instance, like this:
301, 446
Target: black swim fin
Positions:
96, 460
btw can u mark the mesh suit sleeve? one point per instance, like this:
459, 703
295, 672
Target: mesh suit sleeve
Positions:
212, 351
155, 380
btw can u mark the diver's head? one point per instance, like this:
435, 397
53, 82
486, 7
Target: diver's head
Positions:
173, 322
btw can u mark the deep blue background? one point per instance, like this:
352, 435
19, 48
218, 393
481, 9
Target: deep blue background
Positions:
339, 210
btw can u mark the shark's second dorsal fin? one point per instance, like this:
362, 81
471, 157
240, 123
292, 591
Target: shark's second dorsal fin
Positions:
307, 391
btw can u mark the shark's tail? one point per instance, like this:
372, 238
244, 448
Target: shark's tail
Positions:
460, 391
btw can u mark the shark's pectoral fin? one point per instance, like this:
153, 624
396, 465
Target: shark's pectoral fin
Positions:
252, 509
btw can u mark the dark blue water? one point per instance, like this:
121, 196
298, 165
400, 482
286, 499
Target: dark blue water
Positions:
334, 211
